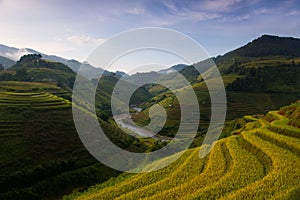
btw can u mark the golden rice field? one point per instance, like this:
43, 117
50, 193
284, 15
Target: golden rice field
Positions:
262, 161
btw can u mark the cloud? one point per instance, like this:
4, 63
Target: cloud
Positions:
170, 5
135, 11
261, 11
218, 5
120, 10
293, 12
199, 11
84, 40
195, 16
178, 12
211, 19
16, 55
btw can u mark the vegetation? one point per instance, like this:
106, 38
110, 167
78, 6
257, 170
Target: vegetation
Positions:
268, 45
254, 163
256, 157
41, 153
255, 83
268, 79
48, 157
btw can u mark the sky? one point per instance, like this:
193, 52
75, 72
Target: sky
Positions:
73, 29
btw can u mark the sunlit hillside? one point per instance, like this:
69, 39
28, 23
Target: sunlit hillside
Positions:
259, 161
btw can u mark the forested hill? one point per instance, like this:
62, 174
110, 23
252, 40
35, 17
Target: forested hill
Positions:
267, 64
266, 45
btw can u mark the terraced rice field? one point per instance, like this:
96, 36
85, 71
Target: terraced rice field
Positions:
257, 163
41, 153
33, 100
12, 103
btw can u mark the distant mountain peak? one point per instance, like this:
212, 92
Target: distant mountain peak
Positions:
274, 38
268, 36
268, 45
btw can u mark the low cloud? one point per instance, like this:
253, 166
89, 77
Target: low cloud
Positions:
15, 55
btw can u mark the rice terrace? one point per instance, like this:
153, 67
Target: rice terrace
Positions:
260, 160
150, 100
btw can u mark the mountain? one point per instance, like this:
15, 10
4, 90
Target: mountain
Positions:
11, 54
87, 70
120, 74
266, 45
153, 76
254, 84
262, 65
6, 63
174, 68
32, 68
267, 64
14, 54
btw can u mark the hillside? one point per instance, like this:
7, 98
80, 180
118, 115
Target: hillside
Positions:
259, 161
41, 153
268, 45
254, 83
267, 64
265, 51
32, 67
239, 103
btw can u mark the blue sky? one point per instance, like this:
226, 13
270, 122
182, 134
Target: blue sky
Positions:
72, 29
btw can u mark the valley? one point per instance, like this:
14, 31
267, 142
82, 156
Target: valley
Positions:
256, 156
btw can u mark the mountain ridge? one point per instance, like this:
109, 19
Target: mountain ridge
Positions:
6, 62
14, 54
265, 45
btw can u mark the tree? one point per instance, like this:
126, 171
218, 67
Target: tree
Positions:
1, 67
30, 57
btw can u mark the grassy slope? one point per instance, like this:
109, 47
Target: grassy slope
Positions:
260, 162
